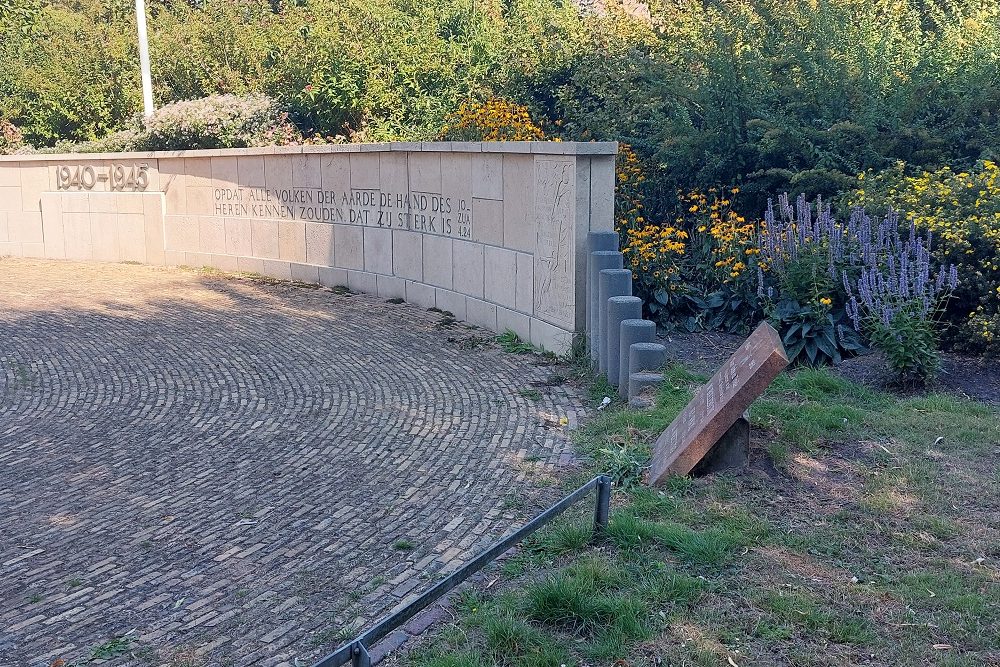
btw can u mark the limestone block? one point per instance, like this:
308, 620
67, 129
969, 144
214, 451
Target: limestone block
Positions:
407, 255
467, 267
250, 171
487, 175
437, 260
75, 202
199, 200
487, 221
456, 184
250, 265
304, 273
25, 226
319, 243
390, 287
34, 181
124, 202
180, 233
131, 237
226, 263
550, 338
481, 313
33, 250
555, 253
519, 231
602, 193
361, 281
278, 172
292, 241
106, 202
198, 171
212, 235
76, 229
524, 287
425, 172
393, 177
335, 170
451, 302
10, 198
348, 244
10, 175
153, 216
10, 249
52, 226
364, 171
511, 320
500, 276
331, 277
176, 258
378, 250
104, 235
306, 171
4, 238
277, 269
419, 294
264, 238
225, 172
238, 237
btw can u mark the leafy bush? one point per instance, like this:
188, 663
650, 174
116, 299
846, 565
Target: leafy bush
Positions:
11, 138
493, 120
962, 211
897, 295
218, 121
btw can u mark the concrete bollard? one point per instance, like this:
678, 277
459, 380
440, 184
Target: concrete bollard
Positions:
597, 241
632, 331
599, 261
646, 356
610, 283
620, 308
638, 383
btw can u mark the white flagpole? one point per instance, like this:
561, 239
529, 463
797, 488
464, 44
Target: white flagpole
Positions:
147, 80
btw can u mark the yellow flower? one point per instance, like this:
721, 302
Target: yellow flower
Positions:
826, 301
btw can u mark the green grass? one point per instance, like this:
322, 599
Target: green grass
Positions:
853, 540
404, 545
511, 343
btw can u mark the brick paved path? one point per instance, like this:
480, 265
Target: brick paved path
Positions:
234, 470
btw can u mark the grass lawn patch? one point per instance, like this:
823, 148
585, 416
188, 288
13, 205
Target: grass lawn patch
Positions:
866, 532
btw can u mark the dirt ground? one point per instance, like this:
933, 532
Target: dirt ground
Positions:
973, 377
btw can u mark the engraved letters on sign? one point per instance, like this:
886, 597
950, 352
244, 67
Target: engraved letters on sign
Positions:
718, 404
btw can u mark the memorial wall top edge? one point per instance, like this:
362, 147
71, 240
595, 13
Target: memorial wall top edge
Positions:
522, 147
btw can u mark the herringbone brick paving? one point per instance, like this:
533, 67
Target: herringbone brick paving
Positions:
232, 470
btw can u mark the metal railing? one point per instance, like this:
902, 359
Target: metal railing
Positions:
356, 651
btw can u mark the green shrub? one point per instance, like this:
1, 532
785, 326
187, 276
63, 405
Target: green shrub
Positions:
11, 138
962, 211
218, 121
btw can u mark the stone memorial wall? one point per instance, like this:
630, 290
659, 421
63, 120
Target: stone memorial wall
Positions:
493, 232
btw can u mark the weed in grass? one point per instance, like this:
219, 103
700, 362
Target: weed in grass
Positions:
449, 659
507, 637
511, 343
532, 394
35, 598
704, 547
565, 537
111, 648
395, 300
815, 618
403, 545
74, 583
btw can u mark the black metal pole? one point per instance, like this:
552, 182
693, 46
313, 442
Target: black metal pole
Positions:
603, 508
